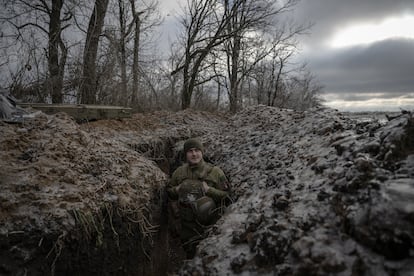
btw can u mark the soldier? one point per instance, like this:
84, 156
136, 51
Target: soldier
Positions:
201, 190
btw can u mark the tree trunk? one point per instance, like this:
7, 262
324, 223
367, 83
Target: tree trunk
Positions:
278, 82
89, 86
123, 97
55, 80
198, 45
218, 93
135, 65
186, 93
233, 76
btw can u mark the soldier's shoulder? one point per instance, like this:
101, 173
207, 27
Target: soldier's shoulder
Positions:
182, 166
215, 170
180, 170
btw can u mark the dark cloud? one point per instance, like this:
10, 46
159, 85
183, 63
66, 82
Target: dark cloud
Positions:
385, 66
381, 70
330, 16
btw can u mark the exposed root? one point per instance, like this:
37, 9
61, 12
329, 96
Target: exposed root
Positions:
57, 249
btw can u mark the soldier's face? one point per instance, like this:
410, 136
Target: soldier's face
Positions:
194, 156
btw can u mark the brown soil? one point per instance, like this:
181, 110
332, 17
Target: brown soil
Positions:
315, 193
74, 201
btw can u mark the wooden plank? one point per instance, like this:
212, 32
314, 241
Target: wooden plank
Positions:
83, 112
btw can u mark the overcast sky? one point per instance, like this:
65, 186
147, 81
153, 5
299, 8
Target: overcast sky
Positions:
362, 51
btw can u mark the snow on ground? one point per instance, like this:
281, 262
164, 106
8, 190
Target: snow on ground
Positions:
315, 192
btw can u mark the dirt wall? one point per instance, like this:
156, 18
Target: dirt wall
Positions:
315, 193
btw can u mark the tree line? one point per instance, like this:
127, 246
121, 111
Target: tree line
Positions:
227, 54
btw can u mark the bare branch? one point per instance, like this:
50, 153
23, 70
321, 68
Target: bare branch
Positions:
43, 7
33, 25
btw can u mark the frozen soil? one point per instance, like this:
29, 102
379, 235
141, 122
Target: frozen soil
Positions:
315, 193
70, 200
89, 199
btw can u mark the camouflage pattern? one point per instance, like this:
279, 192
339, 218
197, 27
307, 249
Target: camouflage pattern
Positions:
212, 175
186, 187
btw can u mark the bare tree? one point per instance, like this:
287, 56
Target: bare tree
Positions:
145, 20
204, 29
135, 63
270, 75
56, 63
249, 16
96, 72
210, 23
171, 82
278, 83
51, 18
88, 85
134, 19
255, 33
277, 76
122, 49
305, 91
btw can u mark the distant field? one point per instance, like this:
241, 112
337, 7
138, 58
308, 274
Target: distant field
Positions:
372, 115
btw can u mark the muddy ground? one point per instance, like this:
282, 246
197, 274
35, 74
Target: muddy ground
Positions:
315, 193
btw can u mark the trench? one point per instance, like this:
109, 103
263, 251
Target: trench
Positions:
126, 250
167, 253
106, 242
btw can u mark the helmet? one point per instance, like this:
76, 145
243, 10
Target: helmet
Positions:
190, 190
205, 210
193, 143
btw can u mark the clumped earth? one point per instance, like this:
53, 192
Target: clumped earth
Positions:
72, 201
315, 193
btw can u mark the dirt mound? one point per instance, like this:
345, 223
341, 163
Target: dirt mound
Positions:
82, 199
159, 136
61, 183
315, 193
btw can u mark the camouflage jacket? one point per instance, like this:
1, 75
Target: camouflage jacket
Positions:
212, 175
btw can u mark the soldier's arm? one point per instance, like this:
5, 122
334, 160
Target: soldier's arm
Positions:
172, 187
224, 183
220, 180
216, 194
221, 187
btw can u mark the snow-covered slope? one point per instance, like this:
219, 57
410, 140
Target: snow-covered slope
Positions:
316, 193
